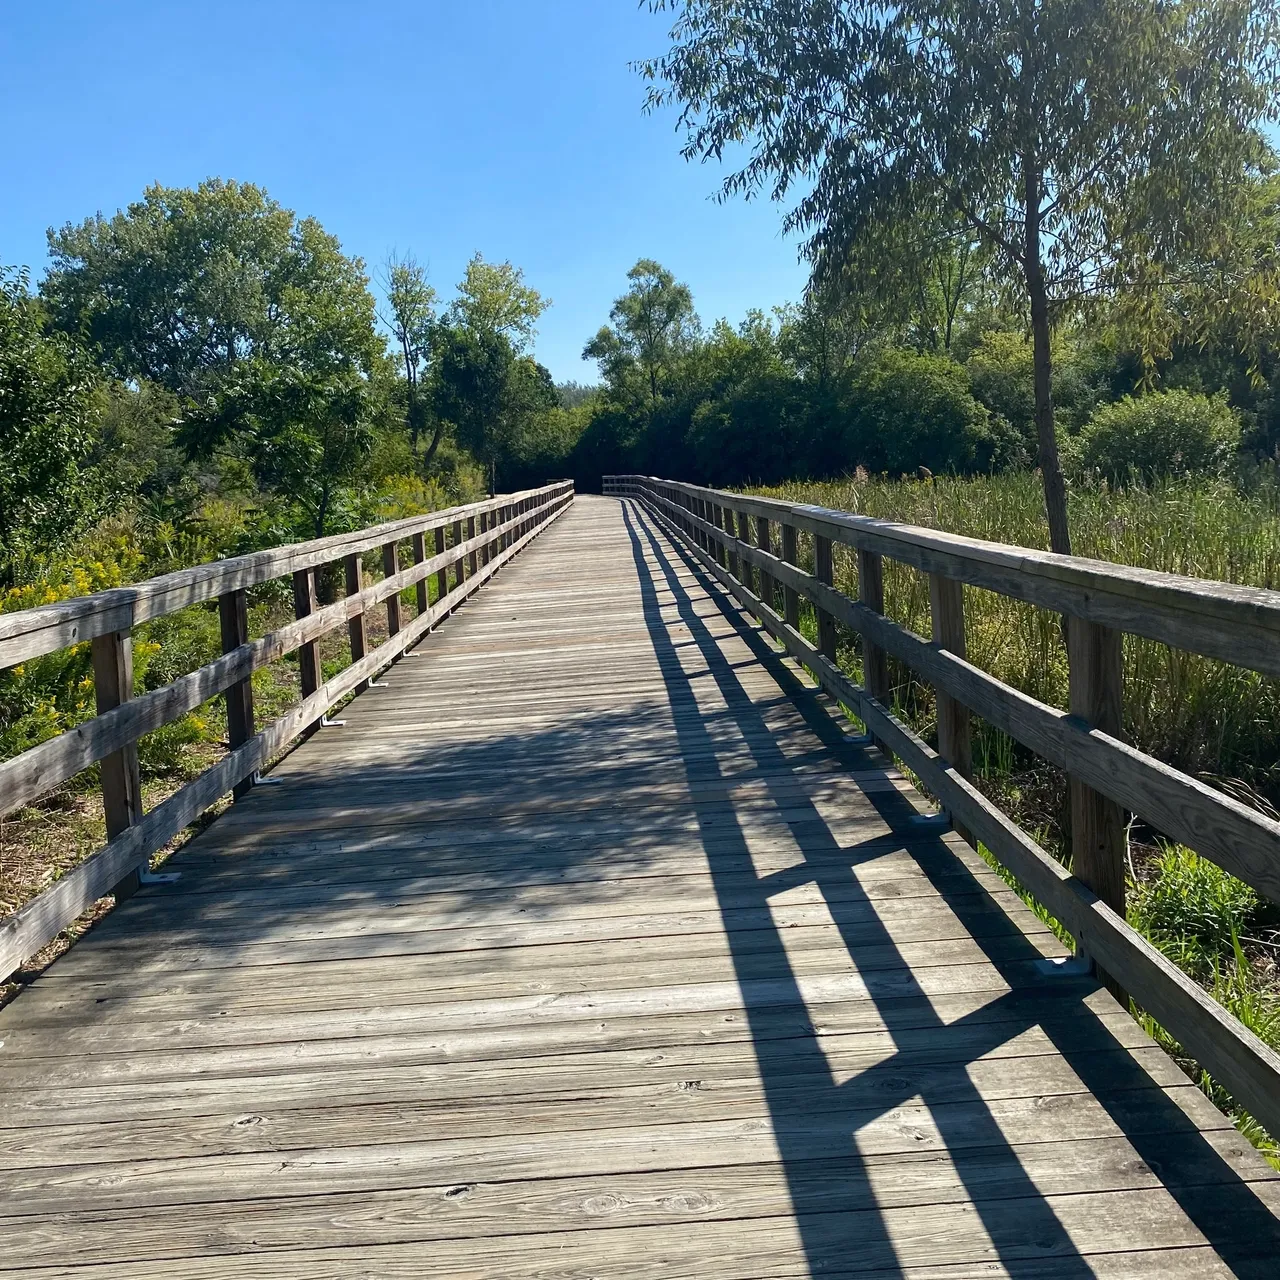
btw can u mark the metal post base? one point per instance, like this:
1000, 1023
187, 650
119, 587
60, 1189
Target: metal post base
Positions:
930, 821
1065, 967
159, 877
326, 723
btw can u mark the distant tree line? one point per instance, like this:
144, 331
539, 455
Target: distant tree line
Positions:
941, 380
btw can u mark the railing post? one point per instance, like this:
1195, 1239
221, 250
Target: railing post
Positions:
875, 664
744, 535
1095, 655
304, 604
946, 612
764, 540
353, 568
472, 559
442, 575
824, 571
484, 547
722, 518
390, 567
790, 596
419, 555
112, 656
233, 623
459, 564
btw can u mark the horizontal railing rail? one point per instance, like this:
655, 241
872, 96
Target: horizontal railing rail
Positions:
470, 542
733, 536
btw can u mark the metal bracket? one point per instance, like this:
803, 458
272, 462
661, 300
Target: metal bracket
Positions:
859, 740
147, 876
326, 723
259, 781
930, 821
1065, 967
379, 684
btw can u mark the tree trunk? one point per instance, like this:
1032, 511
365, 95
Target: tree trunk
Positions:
1055, 487
431, 450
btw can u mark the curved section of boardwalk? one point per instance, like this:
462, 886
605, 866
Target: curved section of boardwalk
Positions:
591, 946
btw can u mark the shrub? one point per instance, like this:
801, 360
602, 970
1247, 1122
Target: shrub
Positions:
1169, 433
1192, 909
908, 409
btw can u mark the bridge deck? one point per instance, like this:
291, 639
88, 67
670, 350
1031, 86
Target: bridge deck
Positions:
590, 946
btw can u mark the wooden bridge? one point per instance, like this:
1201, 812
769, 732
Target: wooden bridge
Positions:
593, 941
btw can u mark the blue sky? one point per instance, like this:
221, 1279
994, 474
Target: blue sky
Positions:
434, 127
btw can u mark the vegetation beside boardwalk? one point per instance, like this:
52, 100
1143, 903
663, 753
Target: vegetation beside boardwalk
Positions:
1212, 720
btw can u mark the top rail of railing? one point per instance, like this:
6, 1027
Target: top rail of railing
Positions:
1236, 624
31, 633
470, 542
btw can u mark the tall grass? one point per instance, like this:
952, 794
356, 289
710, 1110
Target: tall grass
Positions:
1200, 715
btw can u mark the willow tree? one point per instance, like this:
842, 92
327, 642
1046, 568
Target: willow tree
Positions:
1093, 146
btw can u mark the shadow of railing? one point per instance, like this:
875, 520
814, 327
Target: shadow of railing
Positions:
932, 1057
546, 815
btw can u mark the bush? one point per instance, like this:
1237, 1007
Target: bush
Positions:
1169, 433
1192, 909
908, 409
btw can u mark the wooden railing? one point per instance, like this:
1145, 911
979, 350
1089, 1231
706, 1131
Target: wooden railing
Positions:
470, 542
734, 537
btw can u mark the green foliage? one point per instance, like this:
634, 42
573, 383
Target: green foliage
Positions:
185, 284
49, 412
1164, 434
412, 321
306, 433
1192, 909
1088, 147
492, 397
254, 320
494, 300
653, 325
909, 409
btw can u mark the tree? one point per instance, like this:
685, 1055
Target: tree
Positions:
494, 299
490, 394
305, 431
653, 323
1091, 145
186, 284
412, 321
49, 409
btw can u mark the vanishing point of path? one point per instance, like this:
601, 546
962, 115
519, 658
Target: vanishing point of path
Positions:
593, 946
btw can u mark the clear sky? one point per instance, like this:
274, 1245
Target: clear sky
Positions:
438, 127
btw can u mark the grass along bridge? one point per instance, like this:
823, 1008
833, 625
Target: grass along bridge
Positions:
593, 941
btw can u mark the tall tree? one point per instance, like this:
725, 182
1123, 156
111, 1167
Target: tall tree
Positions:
49, 409
653, 323
411, 302
254, 318
187, 283
494, 299
1082, 141
490, 394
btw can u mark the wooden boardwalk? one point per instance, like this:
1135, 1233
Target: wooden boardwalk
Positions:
592, 946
